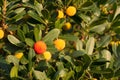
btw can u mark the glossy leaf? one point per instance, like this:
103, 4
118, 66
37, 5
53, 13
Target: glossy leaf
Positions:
79, 45
90, 45
15, 41
14, 72
39, 75
31, 54
105, 40
37, 34
29, 42
12, 59
21, 35
53, 34
69, 37
35, 16
107, 55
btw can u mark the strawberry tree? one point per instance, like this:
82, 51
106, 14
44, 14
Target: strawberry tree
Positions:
59, 40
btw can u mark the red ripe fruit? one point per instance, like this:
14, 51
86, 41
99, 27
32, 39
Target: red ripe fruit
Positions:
40, 47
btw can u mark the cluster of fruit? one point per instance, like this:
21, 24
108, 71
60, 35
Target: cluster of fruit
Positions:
70, 11
115, 43
40, 48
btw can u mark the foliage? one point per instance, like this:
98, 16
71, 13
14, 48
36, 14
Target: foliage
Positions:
88, 54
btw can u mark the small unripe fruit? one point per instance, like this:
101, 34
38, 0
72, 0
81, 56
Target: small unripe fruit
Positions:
1, 33
60, 14
19, 55
71, 11
94, 79
59, 44
67, 26
112, 42
40, 47
47, 55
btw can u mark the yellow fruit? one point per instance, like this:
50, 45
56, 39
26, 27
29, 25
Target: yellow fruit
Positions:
94, 79
71, 11
19, 55
47, 55
1, 33
67, 26
119, 42
112, 42
60, 14
59, 44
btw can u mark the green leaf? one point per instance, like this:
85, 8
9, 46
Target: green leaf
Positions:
107, 55
90, 45
69, 37
85, 17
69, 75
15, 41
18, 16
59, 23
12, 59
29, 42
23, 60
69, 59
87, 61
117, 73
101, 71
79, 53
51, 47
21, 35
14, 72
31, 54
38, 8
19, 10
98, 28
37, 34
114, 49
60, 74
99, 62
25, 28
105, 40
54, 33
35, 16
59, 65
116, 12
79, 45
39, 75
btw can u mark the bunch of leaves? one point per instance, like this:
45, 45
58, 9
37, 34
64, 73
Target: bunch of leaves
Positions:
88, 53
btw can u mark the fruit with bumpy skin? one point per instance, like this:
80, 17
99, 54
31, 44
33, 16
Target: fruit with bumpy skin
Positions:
67, 26
19, 55
59, 44
40, 47
60, 14
47, 55
1, 33
71, 11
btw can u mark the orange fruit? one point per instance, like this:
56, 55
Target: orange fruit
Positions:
60, 14
71, 11
40, 47
47, 55
67, 26
1, 33
59, 44
19, 55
